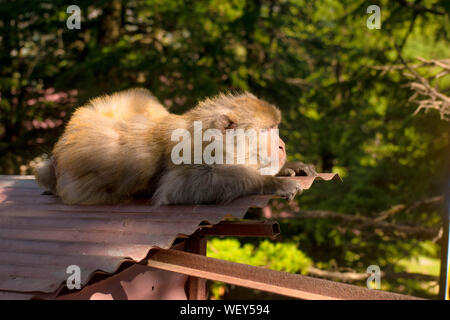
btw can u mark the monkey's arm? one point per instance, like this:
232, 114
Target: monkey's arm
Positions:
192, 184
297, 169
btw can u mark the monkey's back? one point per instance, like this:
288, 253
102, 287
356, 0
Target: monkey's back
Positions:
125, 105
109, 150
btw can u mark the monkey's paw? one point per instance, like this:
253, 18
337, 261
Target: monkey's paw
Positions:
287, 189
291, 169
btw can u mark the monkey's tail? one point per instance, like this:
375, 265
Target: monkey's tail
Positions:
45, 174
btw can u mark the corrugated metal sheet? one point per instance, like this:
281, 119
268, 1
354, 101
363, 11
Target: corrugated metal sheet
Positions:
40, 237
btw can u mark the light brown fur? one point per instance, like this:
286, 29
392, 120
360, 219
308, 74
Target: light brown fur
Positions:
118, 146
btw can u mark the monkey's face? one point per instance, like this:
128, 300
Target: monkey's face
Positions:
262, 149
253, 123
264, 118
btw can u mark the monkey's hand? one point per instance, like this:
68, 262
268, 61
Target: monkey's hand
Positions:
287, 188
291, 169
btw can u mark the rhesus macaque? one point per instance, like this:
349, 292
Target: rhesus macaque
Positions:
122, 145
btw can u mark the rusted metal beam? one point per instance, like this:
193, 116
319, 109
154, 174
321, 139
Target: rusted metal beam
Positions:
283, 283
197, 286
242, 229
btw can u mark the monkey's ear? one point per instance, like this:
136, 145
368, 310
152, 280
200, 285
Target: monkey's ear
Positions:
224, 122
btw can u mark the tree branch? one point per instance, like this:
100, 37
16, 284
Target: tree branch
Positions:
378, 223
421, 86
417, 232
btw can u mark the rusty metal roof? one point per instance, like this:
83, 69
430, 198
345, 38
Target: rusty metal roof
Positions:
40, 236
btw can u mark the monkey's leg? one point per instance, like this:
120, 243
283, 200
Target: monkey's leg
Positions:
221, 184
297, 169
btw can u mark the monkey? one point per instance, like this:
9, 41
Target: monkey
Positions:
120, 146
